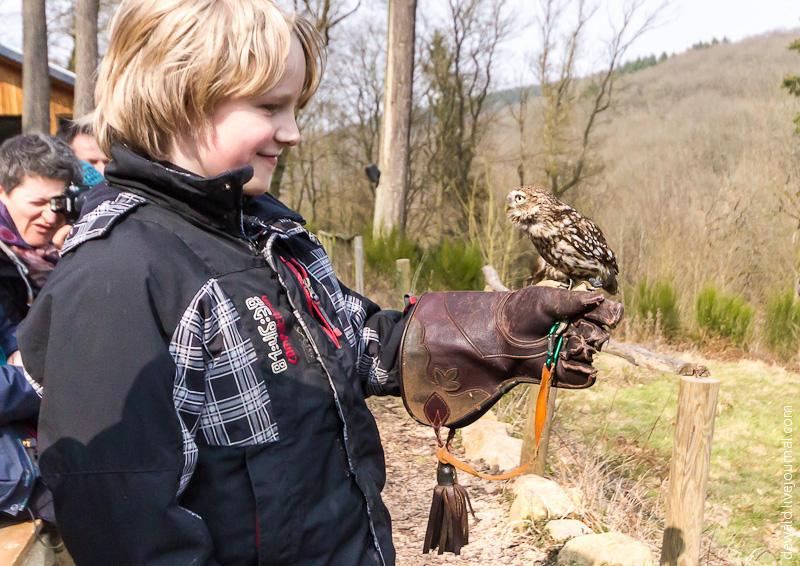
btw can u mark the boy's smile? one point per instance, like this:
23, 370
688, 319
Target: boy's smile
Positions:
249, 131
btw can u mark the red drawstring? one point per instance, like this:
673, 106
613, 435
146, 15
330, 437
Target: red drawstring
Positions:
313, 303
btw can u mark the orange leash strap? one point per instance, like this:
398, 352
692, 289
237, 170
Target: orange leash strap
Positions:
540, 420
447, 457
541, 405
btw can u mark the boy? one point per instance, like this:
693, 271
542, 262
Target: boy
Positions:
205, 371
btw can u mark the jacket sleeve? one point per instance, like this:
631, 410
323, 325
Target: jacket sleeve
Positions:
18, 398
8, 332
113, 444
378, 333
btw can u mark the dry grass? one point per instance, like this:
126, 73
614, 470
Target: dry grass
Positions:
612, 444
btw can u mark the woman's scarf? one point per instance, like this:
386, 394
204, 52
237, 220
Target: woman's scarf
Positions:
39, 261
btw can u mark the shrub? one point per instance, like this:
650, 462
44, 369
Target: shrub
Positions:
380, 254
452, 265
657, 301
782, 325
449, 265
726, 316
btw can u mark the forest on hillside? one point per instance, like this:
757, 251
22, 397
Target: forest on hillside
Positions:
689, 162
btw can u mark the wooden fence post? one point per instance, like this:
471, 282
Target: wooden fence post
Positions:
688, 471
529, 454
403, 285
358, 253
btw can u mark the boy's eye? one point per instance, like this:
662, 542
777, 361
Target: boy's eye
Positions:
270, 107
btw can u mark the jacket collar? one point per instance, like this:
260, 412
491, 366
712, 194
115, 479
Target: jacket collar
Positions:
214, 202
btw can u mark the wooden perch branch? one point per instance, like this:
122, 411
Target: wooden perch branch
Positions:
493, 279
641, 356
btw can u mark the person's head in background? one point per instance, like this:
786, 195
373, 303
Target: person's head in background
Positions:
206, 85
33, 169
79, 136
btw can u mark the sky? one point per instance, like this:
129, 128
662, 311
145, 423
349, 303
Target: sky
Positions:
681, 24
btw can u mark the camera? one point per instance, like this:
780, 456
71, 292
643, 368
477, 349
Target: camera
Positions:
70, 203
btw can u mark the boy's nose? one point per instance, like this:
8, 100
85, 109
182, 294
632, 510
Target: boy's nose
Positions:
288, 133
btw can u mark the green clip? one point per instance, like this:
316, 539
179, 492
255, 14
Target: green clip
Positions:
552, 354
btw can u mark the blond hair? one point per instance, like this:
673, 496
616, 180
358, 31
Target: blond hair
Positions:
170, 62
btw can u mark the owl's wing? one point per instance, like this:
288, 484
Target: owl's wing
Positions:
592, 243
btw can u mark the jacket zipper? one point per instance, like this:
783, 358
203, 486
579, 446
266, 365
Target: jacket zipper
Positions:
312, 299
267, 253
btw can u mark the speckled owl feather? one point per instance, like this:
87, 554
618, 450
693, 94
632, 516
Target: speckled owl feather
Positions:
566, 240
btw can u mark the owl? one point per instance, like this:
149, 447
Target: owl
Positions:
570, 243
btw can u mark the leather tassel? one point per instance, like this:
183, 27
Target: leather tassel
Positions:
448, 523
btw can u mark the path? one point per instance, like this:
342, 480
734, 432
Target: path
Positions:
411, 477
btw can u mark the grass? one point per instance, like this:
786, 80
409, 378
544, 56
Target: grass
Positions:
782, 325
452, 266
723, 315
656, 303
630, 413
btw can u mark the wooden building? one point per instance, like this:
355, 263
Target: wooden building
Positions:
62, 89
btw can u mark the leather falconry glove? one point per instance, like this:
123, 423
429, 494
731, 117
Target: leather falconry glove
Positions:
462, 351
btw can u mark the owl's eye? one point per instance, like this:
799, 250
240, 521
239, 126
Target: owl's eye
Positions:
519, 198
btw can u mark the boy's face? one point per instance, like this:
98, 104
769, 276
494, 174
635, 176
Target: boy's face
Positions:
28, 205
251, 131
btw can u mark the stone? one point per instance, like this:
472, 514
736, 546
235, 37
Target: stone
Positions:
561, 530
537, 498
533, 557
487, 439
605, 549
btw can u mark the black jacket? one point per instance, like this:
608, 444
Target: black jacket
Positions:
205, 375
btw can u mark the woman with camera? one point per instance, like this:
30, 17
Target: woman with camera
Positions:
34, 170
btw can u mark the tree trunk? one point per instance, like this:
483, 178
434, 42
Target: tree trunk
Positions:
277, 174
396, 128
85, 55
35, 71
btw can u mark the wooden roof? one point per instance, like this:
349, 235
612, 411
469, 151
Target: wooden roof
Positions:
57, 74
62, 92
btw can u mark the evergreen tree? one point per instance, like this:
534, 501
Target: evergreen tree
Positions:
792, 82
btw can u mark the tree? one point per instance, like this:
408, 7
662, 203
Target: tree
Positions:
35, 71
326, 15
62, 16
567, 158
85, 55
396, 127
458, 66
792, 83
